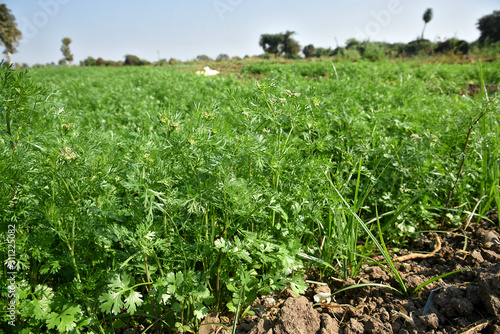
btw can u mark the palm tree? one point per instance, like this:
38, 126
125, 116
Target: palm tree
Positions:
427, 17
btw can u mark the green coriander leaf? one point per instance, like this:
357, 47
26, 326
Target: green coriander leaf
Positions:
133, 300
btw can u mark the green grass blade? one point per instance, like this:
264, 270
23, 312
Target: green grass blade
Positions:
382, 249
388, 258
437, 278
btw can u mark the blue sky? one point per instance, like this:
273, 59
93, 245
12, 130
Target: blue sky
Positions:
184, 29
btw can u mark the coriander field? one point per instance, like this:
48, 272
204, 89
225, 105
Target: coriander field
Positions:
151, 195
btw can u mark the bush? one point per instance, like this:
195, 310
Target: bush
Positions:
349, 54
203, 58
173, 61
418, 47
161, 62
131, 60
322, 52
373, 52
309, 51
453, 45
90, 61
222, 57
491, 50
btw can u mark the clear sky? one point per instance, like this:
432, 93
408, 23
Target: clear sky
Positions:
184, 29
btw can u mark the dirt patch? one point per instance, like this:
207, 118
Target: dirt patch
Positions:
467, 302
475, 89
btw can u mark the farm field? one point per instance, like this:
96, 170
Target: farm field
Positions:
146, 197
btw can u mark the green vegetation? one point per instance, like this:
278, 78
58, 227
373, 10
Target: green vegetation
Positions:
150, 195
68, 56
489, 27
9, 34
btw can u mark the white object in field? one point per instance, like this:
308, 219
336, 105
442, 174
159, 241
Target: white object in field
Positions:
322, 298
209, 72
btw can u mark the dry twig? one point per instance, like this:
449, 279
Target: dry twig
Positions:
413, 256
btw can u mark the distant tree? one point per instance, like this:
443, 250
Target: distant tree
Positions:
131, 60
309, 51
203, 58
271, 43
322, 52
373, 51
418, 47
489, 25
90, 61
161, 62
352, 43
351, 54
62, 62
173, 61
101, 62
278, 44
65, 49
222, 57
9, 34
290, 47
452, 45
427, 18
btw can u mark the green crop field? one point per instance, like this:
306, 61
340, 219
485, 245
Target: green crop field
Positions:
151, 195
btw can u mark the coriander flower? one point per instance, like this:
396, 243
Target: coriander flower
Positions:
290, 94
66, 127
174, 126
415, 136
68, 154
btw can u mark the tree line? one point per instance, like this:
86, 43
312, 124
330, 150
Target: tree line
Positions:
283, 44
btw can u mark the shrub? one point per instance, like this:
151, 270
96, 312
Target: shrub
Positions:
309, 51
453, 45
203, 58
373, 52
131, 60
419, 47
349, 54
222, 57
173, 61
90, 61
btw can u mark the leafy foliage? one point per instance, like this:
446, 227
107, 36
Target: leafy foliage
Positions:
68, 56
489, 25
9, 33
281, 43
150, 195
